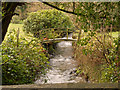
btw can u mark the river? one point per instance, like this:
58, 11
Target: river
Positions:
63, 65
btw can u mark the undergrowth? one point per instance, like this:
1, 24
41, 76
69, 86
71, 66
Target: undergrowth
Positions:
22, 60
98, 57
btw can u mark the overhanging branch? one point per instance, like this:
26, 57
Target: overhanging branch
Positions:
62, 9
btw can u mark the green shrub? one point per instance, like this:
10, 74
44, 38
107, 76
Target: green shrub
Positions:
16, 20
44, 19
111, 71
22, 61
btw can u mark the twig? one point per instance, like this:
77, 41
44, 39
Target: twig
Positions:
103, 48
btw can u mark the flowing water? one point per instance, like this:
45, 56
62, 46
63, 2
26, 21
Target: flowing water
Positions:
62, 65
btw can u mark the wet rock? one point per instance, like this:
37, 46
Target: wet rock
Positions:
73, 72
86, 77
51, 56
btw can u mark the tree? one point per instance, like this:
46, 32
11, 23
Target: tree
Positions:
86, 14
8, 9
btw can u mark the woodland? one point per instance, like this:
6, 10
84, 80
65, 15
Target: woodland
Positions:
26, 25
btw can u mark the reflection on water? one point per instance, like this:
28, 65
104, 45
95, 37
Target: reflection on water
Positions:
62, 65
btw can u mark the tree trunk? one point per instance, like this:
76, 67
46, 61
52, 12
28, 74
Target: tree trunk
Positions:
8, 9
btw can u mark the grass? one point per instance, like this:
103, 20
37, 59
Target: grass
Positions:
83, 34
22, 34
16, 27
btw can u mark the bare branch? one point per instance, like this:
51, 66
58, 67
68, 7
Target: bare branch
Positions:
63, 9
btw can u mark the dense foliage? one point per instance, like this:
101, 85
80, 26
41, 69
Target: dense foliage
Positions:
98, 20
22, 60
46, 19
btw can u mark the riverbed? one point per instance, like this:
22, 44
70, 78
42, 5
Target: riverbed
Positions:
63, 66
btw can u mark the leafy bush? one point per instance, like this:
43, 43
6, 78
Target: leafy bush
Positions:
16, 20
111, 71
102, 62
22, 60
97, 47
44, 19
